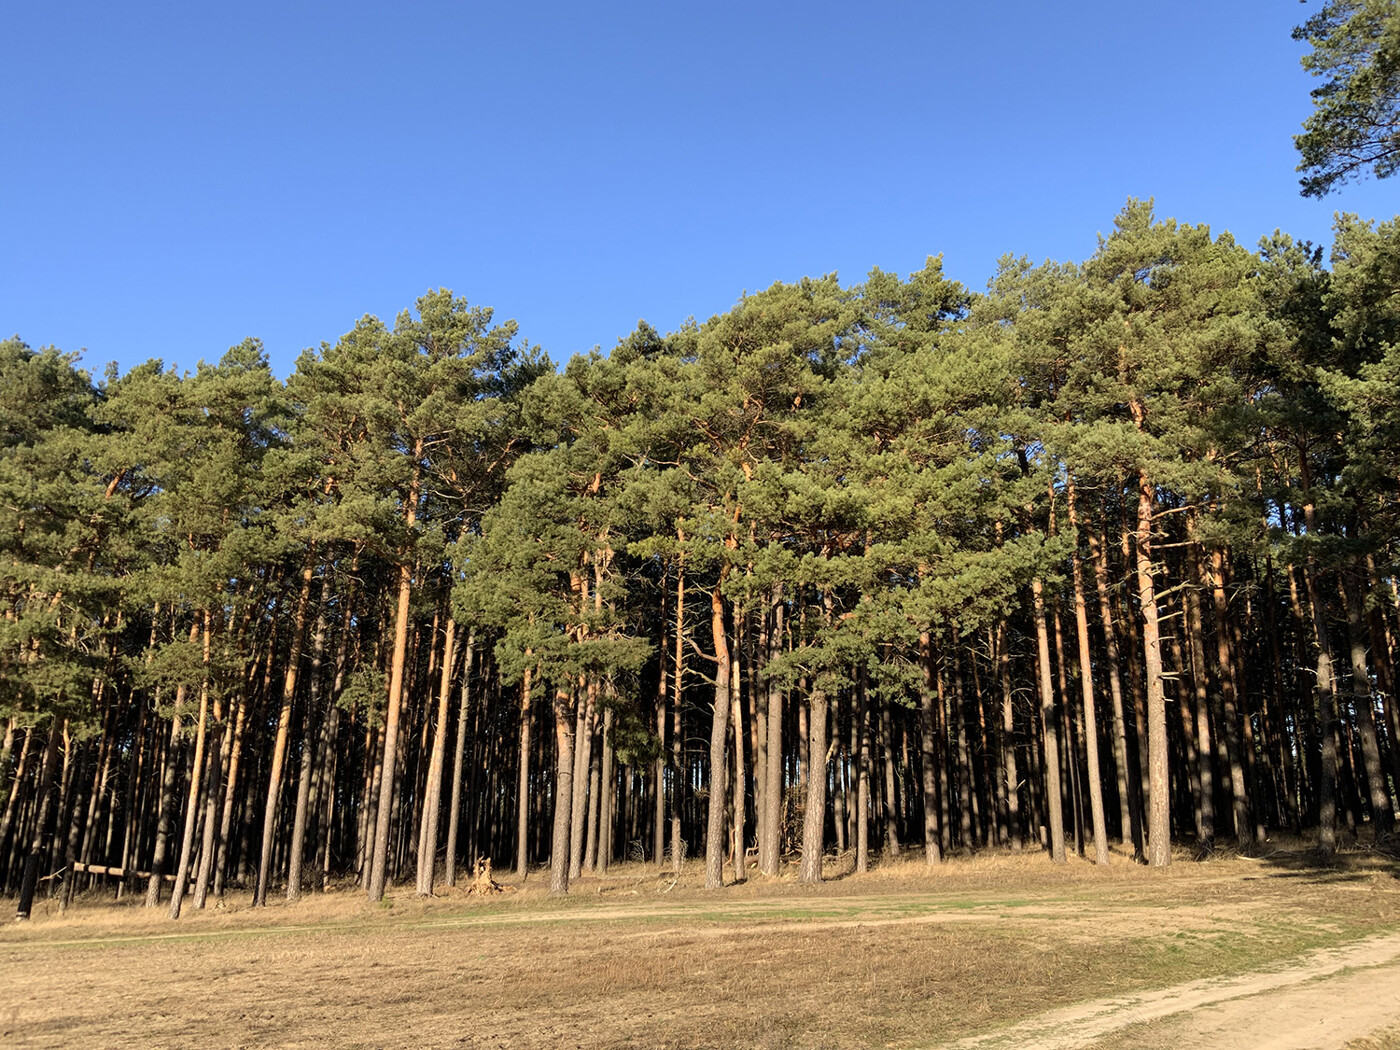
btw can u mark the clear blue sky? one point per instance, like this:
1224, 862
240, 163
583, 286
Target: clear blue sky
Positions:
180, 176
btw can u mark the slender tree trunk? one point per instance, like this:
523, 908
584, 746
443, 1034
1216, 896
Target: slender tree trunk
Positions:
595, 791
1205, 822
235, 746
719, 725
563, 786
166, 819
677, 740
284, 726
182, 870
1378, 629
1326, 687
605, 795
758, 726
1069, 755
891, 801
379, 861
213, 797
1008, 741
1086, 682
26, 752
432, 803
928, 744
6, 750
522, 812
863, 770
1230, 698
770, 859
42, 836
583, 754
1049, 723
1159, 847
1129, 801
454, 811
658, 835
736, 714
311, 713
1135, 673
1382, 815
814, 816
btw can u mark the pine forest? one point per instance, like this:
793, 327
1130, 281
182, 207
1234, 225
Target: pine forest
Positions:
1105, 553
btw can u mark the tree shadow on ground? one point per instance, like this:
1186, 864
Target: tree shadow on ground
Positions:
1352, 862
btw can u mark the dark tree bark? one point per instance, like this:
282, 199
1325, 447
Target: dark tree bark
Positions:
928, 744
42, 836
769, 859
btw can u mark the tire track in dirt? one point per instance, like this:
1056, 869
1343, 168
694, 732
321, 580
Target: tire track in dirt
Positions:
1320, 1003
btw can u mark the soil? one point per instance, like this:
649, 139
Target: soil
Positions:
1324, 1002
978, 949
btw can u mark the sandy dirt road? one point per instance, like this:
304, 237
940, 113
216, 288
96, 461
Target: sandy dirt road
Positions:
1322, 1003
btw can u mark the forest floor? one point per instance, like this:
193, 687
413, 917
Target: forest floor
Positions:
991, 951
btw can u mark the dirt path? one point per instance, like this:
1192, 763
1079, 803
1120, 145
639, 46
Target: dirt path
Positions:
1328, 999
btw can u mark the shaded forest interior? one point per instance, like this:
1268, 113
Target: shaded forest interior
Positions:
1106, 552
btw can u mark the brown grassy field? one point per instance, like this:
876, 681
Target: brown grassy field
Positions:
899, 957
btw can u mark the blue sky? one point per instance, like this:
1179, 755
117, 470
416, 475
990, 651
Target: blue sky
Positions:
180, 176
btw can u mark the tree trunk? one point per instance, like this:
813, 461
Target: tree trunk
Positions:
736, 714
432, 802
454, 811
677, 741
42, 836
605, 796
595, 791
182, 870
814, 814
1326, 687
1382, 815
522, 811
891, 800
1129, 801
1086, 683
1196, 635
770, 856
719, 725
1159, 847
583, 753
213, 797
1008, 741
379, 862
311, 713
284, 725
658, 835
26, 752
235, 751
1049, 725
928, 744
166, 818
563, 787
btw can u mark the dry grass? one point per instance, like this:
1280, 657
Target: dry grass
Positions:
1385, 1039
901, 956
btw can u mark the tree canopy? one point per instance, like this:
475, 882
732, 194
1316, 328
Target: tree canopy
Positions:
1354, 128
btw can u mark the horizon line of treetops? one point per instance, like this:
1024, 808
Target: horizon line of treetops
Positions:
1108, 550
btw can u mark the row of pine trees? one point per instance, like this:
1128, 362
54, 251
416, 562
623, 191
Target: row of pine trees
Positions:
1105, 553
